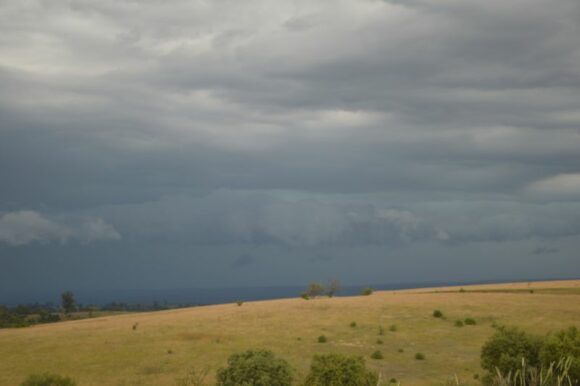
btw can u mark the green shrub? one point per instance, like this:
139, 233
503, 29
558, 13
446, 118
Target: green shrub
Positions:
353, 324
239, 303
393, 328
458, 323
367, 291
304, 296
563, 344
47, 379
322, 339
461, 289
437, 314
339, 370
393, 380
401, 350
255, 368
420, 356
505, 350
377, 355
381, 330
379, 341
470, 321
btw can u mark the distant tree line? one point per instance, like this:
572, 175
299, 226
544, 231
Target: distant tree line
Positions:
24, 315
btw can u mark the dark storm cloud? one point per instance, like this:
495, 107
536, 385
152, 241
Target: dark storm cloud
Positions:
243, 261
302, 125
545, 250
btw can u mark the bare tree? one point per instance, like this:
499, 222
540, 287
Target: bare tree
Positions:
333, 287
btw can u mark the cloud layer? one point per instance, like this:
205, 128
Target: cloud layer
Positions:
326, 126
25, 227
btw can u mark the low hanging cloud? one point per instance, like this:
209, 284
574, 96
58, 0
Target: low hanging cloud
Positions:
26, 227
559, 187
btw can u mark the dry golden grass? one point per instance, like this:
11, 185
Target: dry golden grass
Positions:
106, 350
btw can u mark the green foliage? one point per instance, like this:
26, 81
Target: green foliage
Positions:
381, 330
563, 344
339, 370
377, 355
458, 323
437, 314
420, 356
401, 350
462, 290
379, 341
239, 303
506, 349
47, 379
255, 368
470, 321
393, 328
353, 324
322, 339
304, 296
367, 291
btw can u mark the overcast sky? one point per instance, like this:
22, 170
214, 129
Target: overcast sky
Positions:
168, 144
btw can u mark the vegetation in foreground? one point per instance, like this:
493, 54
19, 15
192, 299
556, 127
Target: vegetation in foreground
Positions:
108, 351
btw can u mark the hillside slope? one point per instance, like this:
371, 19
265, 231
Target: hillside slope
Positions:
107, 351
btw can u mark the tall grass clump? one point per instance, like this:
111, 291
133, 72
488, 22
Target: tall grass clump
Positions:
556, 374
47, 379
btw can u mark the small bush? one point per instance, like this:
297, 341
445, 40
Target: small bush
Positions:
304, 296
458, 323
239, 303
47, 379
255, 368
315, 289
420, 356
381, 330
437, 314
461, 289
135, 325
339, 370
379, 341
353, 324
393, 380
401, 350
505, 350
367, 291
377, 355
393, 328
322, 339
470, 321
563, 344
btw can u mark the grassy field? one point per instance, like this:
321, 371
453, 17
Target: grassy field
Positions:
107, 351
